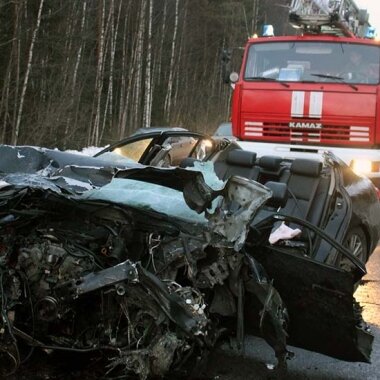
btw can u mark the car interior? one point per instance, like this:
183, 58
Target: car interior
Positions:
300, 187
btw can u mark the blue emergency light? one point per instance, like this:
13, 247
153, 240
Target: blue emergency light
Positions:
371, 32
268, 31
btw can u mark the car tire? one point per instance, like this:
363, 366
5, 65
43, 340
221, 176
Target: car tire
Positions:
356, 242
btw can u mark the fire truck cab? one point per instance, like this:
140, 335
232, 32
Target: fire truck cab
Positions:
314, 92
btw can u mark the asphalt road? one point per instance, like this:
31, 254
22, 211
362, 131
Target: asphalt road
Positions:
307, 365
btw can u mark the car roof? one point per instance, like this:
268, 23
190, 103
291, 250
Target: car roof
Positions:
142, 131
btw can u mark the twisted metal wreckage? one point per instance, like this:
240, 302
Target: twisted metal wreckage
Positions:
154, 267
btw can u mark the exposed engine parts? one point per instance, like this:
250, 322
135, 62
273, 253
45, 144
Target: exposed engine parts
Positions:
148, 314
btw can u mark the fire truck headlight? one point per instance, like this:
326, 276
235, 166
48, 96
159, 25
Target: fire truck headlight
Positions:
361, 166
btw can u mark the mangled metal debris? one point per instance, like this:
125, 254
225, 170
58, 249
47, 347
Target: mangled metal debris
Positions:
152, 267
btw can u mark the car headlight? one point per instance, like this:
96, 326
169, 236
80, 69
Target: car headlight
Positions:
361, 166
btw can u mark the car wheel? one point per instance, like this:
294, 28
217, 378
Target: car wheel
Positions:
356, 242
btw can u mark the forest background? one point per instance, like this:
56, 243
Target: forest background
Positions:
75, 73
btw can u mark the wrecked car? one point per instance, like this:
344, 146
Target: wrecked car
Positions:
152, 267
308, 188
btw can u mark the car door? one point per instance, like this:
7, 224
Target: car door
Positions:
323, 315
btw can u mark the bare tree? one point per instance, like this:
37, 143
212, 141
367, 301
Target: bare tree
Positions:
138, 64
148, 73
16, 130
93, 137
108, 109
75, 75
162, 39
13, 61
168, 98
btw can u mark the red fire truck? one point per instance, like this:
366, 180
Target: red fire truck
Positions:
313, 92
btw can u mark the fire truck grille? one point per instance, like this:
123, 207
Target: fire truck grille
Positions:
312, 134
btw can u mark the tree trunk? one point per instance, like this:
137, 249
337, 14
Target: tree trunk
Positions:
168, 98
16, 130
148, 73
14, 60
139, 67
109, 103
162, 39
123, 87
95, 127
75, 76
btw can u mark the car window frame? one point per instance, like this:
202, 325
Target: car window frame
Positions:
158, 138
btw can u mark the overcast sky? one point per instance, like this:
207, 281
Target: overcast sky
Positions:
373, 7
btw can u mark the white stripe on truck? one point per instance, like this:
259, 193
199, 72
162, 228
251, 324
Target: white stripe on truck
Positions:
298, 102
316, 105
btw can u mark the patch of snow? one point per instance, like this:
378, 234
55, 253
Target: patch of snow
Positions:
87, 151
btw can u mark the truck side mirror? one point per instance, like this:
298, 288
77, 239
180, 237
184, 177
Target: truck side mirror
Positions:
234, 77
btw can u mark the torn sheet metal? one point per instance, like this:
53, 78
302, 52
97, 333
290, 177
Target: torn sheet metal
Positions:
242, 200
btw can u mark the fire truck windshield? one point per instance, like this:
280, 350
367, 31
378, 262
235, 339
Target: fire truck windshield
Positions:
313, 62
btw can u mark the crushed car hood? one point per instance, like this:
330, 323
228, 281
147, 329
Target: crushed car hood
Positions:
220, 211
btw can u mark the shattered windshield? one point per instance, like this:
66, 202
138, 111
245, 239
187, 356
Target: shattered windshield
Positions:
133, 150
313, 62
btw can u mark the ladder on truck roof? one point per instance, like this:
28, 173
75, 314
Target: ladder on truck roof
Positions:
340, 17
